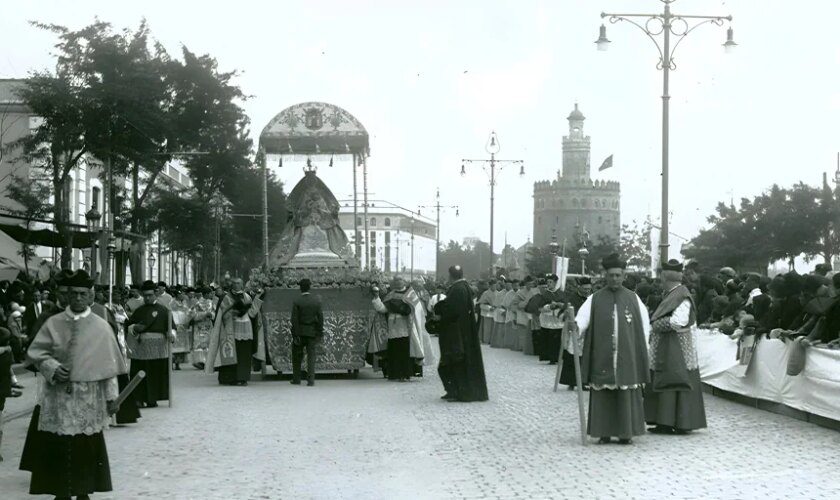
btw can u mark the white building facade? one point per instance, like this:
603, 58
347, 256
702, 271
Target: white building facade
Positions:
86, 191
400, 241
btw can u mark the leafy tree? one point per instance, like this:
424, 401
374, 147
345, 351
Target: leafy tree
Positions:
31, 198
634, 244
57, 145
538, 261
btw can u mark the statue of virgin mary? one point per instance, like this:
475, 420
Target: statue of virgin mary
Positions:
312, 237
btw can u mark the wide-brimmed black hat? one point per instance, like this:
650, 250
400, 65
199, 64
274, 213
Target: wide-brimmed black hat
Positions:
148, 285
161, 284
542, 281
613, 261
79, 278
584, 280
552, 277
672, 265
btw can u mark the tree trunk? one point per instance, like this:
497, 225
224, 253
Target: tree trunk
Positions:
61, 221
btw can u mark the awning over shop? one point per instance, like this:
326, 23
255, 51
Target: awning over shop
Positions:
47, 237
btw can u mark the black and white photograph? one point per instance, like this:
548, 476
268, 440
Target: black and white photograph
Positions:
432, 250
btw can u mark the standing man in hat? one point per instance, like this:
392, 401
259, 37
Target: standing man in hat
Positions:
548, 306
78, 355
307, 330
237, 336
461, 367
497, 339
485, 304
576, 298
615, 324
163, 298
149, 335
674, 398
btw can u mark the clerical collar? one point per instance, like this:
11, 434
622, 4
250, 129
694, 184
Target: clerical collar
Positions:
305, 293
674, 287
77, 316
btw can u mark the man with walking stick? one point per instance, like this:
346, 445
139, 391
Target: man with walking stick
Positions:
614, 364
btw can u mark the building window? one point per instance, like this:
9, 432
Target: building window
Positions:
387, 222
604, 203
561, 203
600, 219
575, 203
557, 220
358, 221
539, 219
95, 197
373, 221
597, 204
583, 202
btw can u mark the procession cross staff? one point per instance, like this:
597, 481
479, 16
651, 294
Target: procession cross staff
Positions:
169, 349
130, 388
570, 329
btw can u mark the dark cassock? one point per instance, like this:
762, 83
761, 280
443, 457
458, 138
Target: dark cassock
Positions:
149, 335
461, 367
547, 305
674, 398
576, 299
70, 457
31, 445
128, 412
237, 337
614, 365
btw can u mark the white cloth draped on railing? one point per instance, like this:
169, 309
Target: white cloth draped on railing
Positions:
815, 390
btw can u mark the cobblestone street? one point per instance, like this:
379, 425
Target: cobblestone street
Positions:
371, 439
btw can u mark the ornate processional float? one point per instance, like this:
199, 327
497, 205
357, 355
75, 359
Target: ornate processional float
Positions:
313, 244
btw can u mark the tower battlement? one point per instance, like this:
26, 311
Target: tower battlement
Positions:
573, 201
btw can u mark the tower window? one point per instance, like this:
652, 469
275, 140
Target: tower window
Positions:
373, 221
387, 221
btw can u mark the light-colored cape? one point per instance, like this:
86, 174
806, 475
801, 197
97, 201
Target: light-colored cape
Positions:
86, 345
221, 336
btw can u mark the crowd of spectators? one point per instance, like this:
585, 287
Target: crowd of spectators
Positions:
786, 306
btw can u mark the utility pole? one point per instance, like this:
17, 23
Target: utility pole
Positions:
493, 148
437, 206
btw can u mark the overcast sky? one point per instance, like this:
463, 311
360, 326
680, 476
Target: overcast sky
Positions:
431, 79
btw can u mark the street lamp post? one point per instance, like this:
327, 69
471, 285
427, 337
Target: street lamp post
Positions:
665, 24
493, 148
437, 206
112, 248
93, 217
151, 260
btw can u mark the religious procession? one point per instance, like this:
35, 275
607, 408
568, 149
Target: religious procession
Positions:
218, 282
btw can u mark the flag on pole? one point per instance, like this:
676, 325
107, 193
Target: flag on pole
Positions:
607, 163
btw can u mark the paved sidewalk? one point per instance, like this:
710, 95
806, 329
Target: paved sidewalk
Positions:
373, 439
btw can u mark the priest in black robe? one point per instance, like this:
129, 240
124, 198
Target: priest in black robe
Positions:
615, 325
461, 367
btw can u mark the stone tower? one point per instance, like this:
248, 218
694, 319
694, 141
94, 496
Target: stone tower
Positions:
573, 202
